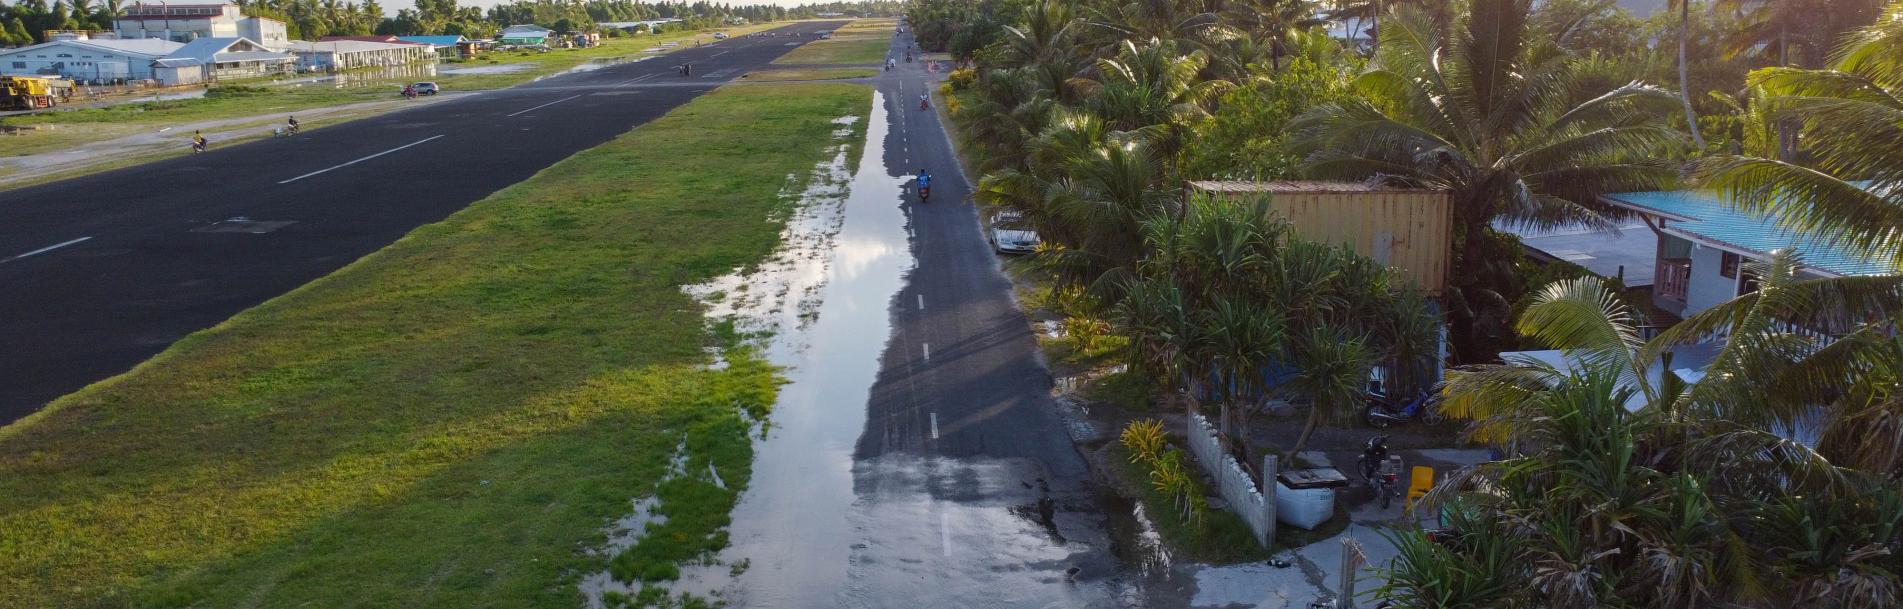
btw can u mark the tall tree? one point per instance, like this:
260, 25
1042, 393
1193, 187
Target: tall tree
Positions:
1495, 112
1850, 189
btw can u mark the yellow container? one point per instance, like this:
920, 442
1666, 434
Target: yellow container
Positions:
1410, 229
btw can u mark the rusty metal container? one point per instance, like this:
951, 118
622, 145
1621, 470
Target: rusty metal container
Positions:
1410, 229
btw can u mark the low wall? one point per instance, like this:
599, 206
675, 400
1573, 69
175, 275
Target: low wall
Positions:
1233, 483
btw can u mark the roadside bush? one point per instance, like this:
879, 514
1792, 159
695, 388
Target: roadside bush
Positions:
961, 79
225, 91
1148, 447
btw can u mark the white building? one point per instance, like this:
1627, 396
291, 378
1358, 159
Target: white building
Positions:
210, 59
88, 59
184, 22
348, 54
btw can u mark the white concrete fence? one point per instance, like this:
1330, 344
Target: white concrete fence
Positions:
1233, 483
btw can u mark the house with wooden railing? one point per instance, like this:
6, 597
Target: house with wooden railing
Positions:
1705, 247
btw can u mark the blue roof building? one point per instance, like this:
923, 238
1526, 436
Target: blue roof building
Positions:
435, 41
1705, 243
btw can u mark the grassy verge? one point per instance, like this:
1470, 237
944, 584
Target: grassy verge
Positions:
448, 421
1219, 538
809, 74
862, 41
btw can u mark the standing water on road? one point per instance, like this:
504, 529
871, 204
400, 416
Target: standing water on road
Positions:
818, 528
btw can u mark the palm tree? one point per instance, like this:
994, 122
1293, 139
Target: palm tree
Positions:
1684, 70
1275, 21
1851, 117
1496, 113
1634, 487
1154, 90
1332, 371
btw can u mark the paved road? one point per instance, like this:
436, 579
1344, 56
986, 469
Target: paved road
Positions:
100, 273
969, 489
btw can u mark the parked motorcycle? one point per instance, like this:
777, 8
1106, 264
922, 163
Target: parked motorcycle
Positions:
1374, 468
1381, 413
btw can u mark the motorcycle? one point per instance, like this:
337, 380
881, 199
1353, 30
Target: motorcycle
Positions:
924, 193
409, 93
1381, 413
198, 147
924, 104
1374, 467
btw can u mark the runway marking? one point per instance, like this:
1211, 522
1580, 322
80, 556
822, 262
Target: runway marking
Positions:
46, 249
944, 532
934, 426
336, 167
921, 302
635, 80
928, 351
546, 105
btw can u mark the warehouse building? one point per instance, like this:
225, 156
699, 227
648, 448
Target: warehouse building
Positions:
348, 54
89, 60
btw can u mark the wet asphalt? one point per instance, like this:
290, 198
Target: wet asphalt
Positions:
102, 272
916, 457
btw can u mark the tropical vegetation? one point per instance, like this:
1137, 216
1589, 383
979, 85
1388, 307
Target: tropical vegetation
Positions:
1767, 477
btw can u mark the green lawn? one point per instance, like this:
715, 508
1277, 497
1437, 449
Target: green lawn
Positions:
447, 422
862, 41
795, 74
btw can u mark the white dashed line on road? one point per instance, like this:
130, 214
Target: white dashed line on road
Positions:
545, 105
921, 302
934, 426
46, 249
928, 351
336, 167
635, 80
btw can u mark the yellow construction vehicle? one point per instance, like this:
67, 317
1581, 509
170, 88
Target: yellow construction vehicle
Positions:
25, 93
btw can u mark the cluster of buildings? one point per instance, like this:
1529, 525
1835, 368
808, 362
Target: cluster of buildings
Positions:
182, 44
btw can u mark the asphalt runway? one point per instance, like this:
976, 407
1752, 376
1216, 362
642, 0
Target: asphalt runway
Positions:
102, 272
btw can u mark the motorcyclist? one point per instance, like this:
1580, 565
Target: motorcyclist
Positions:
924, 181
291, 124
409, 91
198, 141
924, 101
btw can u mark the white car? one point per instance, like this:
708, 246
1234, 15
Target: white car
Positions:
1011, 233
720, 35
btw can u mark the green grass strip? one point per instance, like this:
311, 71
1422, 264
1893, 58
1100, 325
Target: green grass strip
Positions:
448, 422
862, 41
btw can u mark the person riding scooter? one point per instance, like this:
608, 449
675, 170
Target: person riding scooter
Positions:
198, 142
924, 185
409, 92
290, 126
924, 101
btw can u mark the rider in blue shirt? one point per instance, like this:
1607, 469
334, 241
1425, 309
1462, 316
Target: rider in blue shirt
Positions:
924, 179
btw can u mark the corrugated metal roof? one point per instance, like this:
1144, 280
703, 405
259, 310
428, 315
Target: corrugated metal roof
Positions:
150, 47
1305, 186
343, 46
1703, 215
440, 41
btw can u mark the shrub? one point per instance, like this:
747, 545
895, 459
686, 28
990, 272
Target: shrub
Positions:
1144, 439
961, 79
236, 91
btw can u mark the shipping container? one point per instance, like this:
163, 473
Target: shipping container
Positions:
1410, 229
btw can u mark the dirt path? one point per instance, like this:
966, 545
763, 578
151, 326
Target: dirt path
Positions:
17, 169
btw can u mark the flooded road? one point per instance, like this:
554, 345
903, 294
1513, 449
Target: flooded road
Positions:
915, 457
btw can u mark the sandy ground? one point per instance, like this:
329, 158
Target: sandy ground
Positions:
17, 169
